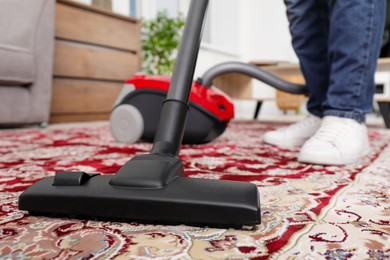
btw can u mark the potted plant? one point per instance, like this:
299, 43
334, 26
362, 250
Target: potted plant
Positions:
160, 40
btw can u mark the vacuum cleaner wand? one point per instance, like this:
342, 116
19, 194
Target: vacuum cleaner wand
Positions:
152, 187
171, 126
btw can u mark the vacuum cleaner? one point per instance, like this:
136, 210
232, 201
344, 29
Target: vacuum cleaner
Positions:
137, 110
152, 187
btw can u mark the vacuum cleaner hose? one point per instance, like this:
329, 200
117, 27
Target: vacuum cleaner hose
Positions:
251, 71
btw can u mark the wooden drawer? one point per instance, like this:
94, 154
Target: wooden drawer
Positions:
64, 118
90, 25
83, 96
86, 61
82, 100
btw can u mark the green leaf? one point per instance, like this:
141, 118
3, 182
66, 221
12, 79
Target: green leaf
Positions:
160, 39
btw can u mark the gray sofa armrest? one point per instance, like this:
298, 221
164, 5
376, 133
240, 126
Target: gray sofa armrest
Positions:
27, 25
41, 90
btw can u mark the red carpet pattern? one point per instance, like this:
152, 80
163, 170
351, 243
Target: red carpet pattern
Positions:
308, 212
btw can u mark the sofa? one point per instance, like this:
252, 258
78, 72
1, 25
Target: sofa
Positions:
26, 60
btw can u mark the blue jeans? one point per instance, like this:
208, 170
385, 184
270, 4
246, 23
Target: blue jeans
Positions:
338, 44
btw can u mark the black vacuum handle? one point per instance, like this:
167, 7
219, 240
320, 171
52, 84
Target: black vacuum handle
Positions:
174, 111
183, 73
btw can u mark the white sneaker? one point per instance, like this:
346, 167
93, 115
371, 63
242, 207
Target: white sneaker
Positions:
339, 141
294, 135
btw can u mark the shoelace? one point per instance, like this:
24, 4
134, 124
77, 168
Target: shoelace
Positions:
329, 131
311, 120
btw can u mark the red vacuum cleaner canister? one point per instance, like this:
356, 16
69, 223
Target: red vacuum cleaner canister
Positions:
137, 110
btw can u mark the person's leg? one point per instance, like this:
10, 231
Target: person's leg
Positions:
309, 31
355, 34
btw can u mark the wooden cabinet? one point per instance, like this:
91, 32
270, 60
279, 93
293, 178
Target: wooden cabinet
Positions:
95, 52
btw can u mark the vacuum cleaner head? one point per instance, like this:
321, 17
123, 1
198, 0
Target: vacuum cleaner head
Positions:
148, 188
136, 112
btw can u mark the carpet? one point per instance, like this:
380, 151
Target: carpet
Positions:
308, 212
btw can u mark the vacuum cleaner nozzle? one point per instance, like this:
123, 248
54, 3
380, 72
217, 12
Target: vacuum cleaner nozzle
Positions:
149, 188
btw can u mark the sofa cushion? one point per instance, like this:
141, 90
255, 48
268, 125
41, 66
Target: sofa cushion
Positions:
16, 66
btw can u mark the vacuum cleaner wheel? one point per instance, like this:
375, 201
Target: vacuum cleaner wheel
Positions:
126, 124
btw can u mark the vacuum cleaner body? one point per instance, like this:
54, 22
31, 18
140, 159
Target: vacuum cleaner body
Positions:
137, 110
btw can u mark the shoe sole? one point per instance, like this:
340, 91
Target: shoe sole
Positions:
329, 160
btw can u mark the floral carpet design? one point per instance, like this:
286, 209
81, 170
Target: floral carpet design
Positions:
308, 211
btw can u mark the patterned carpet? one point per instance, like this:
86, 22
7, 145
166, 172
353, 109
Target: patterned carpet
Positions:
308, 212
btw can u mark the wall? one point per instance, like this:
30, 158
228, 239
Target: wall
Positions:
264, 27
258, 31
265, 37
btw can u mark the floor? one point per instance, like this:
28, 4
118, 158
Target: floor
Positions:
308, 211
